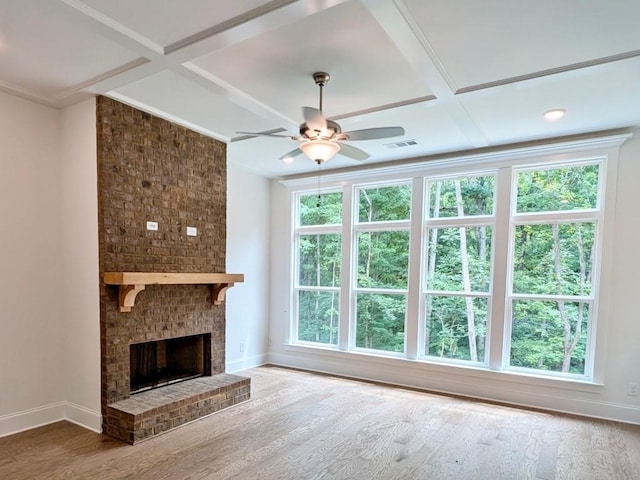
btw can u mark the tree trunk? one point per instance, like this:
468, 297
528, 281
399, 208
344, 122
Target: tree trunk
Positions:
566, 321
317, 310
333, 302
431, 268
466, 281
368, 338
571, 343
482, 256
482, 243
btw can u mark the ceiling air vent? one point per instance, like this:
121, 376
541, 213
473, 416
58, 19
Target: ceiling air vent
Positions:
405, 143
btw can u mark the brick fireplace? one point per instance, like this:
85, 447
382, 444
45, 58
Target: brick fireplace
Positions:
152, 170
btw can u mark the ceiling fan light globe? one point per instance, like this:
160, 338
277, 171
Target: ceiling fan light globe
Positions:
319, 150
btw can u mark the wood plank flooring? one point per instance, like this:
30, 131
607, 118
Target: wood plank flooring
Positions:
303, 426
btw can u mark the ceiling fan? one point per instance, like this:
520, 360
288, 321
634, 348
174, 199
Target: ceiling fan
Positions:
321, 138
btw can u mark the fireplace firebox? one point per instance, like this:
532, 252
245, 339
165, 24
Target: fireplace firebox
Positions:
159, 363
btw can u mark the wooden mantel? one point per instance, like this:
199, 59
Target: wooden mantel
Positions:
132, 283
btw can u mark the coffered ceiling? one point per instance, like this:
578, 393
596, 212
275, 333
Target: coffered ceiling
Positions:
456, 75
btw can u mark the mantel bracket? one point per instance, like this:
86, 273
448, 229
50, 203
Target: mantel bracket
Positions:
128, 294
219, 290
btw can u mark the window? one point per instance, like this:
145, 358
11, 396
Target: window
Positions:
495, 267
318, 248
382, 244
555, 224
459, 229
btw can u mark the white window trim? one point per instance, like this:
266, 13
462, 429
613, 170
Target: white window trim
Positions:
596, 215
295, 287
366, 227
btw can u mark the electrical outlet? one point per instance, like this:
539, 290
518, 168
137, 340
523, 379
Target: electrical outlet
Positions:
192, 231
633, 389
152, 226
241, 347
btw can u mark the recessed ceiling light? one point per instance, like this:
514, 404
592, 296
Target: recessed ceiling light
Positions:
288, 159
554, 114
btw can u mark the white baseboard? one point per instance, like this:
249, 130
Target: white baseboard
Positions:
578, 399
84, 417
243, 363
32, 418
55, 412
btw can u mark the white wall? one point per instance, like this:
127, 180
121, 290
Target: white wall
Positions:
247, 304
619, 350
79, 220
31, 380
623, 324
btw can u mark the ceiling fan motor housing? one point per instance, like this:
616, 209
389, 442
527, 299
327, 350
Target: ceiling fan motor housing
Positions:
331, 130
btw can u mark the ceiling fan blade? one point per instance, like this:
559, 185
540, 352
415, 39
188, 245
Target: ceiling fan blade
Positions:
374, 133
353, 152
260, 134
293, 153
314, 118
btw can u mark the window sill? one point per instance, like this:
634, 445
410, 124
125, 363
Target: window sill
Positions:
461, 373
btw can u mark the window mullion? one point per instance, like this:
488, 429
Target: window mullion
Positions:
499, 307
346, 301
414, 322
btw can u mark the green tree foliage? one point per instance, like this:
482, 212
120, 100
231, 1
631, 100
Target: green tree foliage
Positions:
538, 336
319, 261
325, 210
318, 316
477, 197
449, 332
384, 203
380, 322
570, 188
382, 263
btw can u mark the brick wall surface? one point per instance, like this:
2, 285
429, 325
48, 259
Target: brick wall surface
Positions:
152, 170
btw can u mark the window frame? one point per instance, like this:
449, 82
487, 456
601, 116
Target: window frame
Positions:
559, 217
428, 223
299, 231
605, 149
358, 227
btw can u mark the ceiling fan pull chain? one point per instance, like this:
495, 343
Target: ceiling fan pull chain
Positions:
319, 200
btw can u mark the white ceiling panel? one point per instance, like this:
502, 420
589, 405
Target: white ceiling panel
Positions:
44, 53
485, 42
165, 22
429, 124
598, 98
177, 98
275, 68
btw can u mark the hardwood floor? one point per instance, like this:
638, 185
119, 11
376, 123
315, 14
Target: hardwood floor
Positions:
304, 426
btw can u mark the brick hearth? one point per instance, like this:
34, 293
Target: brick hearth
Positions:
155, 411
